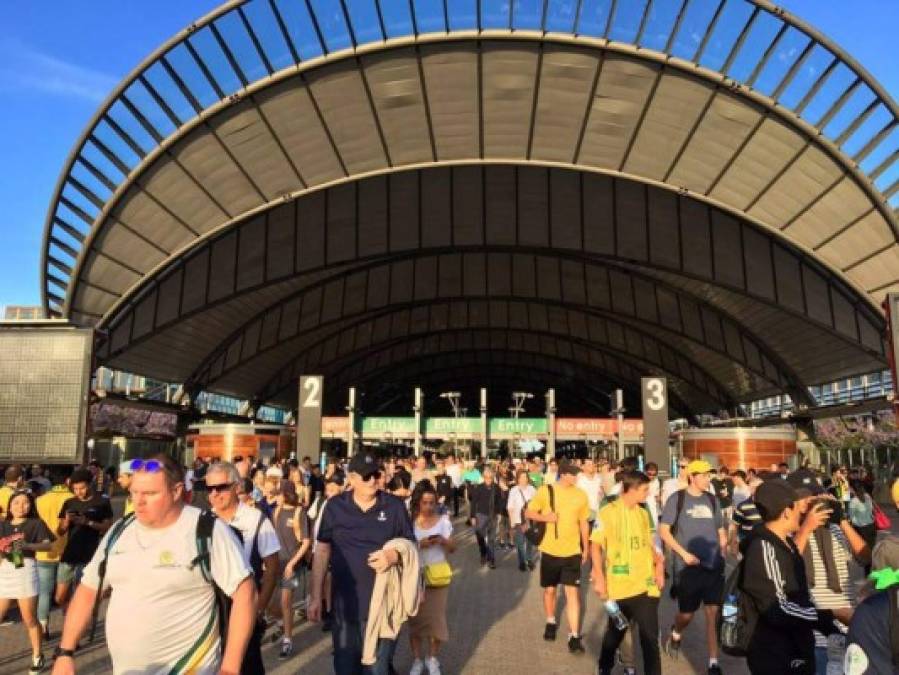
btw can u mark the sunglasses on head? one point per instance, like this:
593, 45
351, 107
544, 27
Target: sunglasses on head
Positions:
220, 487
150, 465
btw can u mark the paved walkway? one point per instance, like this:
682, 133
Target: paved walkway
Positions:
496, 627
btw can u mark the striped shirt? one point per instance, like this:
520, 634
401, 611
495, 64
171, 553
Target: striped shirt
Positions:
746, 516
823, 597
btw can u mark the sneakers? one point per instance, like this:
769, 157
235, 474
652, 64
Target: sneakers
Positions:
37, 664
672, 646
714, 669
491, 564
574, 644
433, 665
286, 648
549, 633
418, 667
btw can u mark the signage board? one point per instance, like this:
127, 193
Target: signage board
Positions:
381, 426
500, 427
654, 395
335, 426
435, 426
44, 388
309, 415
597, 427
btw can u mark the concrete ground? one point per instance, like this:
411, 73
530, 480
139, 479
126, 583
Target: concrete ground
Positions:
496, 626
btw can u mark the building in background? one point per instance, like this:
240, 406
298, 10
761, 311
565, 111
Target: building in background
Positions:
23, 313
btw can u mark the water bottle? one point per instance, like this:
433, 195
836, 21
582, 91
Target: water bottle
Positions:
836, 652
729, 609
614, 612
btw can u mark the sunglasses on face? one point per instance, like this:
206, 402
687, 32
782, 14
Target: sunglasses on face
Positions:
150, 466
220, 487
376, 475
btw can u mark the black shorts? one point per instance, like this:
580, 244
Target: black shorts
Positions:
555, 571
697, 586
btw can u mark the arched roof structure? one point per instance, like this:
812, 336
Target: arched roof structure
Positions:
704, 189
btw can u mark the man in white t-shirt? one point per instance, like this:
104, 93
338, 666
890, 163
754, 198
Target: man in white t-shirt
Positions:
162, 616
519, 496
260, 546
454, 471
590, 482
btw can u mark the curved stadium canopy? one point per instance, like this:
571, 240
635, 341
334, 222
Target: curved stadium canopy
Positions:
567, 193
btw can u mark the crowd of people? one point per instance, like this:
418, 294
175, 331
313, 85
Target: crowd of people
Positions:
788, 566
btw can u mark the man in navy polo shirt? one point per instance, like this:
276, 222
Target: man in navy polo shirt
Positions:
354, 528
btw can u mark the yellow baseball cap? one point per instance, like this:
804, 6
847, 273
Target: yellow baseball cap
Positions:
698, 466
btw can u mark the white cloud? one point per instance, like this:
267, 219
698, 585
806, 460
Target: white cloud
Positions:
25, 69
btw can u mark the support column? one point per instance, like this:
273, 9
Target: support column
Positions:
619, 409
551, 423
351, 423
483, 423
416, 408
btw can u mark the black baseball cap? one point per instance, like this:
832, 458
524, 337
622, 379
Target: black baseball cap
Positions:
365, 464
773, 496
805, 482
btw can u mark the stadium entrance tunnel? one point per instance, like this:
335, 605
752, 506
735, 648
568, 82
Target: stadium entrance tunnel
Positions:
465, 208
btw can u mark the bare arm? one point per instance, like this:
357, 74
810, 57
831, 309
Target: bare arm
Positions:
319, 568
585, 539
241, 622
599, 575
270, 567
78, 616
550, 517
859, 547
38, 546
671, 543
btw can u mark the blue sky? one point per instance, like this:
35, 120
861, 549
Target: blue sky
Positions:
58, 61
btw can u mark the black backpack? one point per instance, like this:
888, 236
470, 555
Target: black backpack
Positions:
537, 529
205, 527
735, 632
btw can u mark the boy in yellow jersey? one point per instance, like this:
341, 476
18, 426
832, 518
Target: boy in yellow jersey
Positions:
564, 549
48, 506
12, 481
628, 572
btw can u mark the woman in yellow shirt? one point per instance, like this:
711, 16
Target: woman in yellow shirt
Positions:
628, 572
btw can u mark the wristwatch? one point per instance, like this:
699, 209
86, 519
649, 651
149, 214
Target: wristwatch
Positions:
59, 651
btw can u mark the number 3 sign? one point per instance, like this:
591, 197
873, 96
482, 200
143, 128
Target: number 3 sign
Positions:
655, 419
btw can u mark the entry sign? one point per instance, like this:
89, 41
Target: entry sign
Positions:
655, 419
309, 416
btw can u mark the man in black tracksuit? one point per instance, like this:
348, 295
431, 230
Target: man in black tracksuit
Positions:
485, 503
783, 641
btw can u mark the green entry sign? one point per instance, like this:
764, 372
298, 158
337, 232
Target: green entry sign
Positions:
525, 426
452, 425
